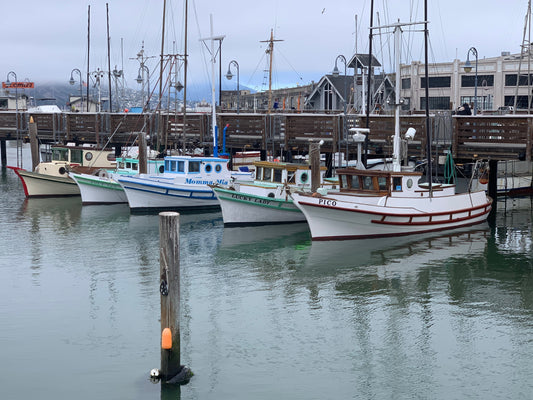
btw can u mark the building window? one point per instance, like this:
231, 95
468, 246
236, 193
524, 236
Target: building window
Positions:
482, 80
406, 83
510, 80
436, 103
436, 81
483, 102
521, 101
328, 97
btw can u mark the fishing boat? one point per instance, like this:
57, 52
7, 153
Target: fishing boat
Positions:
374, 204
266, 200
183, 185
51, 179
103, 188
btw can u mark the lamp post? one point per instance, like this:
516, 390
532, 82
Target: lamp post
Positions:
468, 68
140, 79
336, 74
19, 161
229, 75
72, 82
97, 75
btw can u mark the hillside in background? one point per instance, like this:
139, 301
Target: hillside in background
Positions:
59, 94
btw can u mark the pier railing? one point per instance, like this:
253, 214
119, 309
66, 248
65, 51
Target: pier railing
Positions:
502, 137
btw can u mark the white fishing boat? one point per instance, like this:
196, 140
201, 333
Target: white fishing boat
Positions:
183, 185
266, 200
389, 203
51, 179
103, 188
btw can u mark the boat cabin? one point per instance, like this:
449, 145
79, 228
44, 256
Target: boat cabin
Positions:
194, 165
378, 183
84, 156
281, 173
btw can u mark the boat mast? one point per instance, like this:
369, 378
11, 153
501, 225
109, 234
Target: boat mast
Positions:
270, 52
429, 172
88, 52
161, 78
185, 80
109, 58
369, 80
396, 161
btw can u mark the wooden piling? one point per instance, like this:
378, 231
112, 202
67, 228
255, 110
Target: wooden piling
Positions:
170, 290
314, 161
34, 144
3, 152
493, 181
143, 163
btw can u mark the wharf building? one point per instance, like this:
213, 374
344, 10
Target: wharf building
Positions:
450, 85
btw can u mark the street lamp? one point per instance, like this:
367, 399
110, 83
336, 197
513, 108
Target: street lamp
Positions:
72, 82
140, 79
19, 162
468, 68
336, 75
229, 75
98, 74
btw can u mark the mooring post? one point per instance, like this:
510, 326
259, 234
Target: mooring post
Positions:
34, 145
169, 288
169, 225
493, 181
3, 152
314, 161
143, 164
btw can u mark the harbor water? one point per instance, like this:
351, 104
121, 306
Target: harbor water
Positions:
265, 312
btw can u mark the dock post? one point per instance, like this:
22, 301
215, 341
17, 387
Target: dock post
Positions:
34, 145
3, 152
143, 163
314, 161
493, 180
169, 288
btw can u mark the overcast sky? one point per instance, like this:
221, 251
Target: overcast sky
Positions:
42, 41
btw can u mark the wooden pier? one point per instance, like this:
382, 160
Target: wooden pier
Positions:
501, 137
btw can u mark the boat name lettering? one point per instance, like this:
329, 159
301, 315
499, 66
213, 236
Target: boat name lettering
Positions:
249, 199
327, 202
204, 182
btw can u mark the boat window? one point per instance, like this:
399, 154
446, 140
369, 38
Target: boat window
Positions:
75, 156
355, 182
267, 174
344, 181
218, 167
194, 166
134, 166
290, 177
382, 183
167, 165
397, 183
304, 177
181, 166
121, 164
259, 173
173, 166
277, 175
128, 165
208, 168
367, 183
88, 156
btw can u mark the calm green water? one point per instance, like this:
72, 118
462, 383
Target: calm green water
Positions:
266, 314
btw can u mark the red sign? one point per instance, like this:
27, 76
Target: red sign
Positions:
18, 85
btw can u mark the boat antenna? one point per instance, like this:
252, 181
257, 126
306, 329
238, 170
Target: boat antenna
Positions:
369, 80
429, 169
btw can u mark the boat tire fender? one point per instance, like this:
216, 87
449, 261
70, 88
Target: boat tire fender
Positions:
62, 170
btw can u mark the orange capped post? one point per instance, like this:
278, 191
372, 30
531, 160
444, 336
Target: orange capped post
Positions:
166, 339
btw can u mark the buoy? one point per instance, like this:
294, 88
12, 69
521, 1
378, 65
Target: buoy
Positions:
166, 339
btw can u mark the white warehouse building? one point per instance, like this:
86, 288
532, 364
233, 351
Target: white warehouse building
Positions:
450, 86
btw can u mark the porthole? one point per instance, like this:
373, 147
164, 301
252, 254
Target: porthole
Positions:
271, 195
304, 177
208, 168
409, 183
88, 156
218, 168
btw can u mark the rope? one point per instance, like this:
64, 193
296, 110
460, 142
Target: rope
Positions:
450, 174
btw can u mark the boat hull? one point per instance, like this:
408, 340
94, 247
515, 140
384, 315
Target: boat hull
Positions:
339, 218
99, 190
145, 194
42, 185
240, 208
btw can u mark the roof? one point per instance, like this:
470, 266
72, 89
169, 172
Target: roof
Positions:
360, 60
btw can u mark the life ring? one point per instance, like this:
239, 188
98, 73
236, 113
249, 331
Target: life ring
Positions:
62, 170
